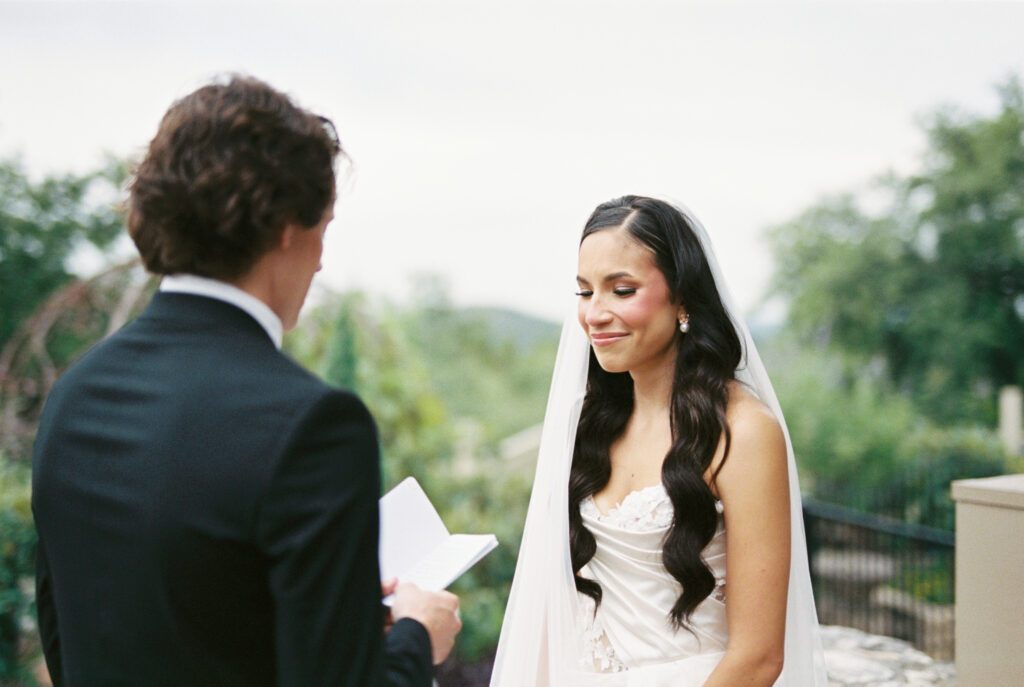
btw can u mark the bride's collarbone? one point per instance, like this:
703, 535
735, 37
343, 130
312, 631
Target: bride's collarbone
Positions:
633, 468
636, 463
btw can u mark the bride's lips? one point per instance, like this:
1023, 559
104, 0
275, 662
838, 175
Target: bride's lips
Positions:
607, 338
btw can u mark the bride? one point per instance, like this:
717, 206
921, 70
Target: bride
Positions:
664, 539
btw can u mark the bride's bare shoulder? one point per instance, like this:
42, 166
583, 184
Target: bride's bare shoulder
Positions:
755, 434
745, 412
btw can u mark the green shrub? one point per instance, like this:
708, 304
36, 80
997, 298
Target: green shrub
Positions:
930, 458
485, 503
863, 446
933, 582
17, 561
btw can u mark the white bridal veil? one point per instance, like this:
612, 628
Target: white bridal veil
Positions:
541, 642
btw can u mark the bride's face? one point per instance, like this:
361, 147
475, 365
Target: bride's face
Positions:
625, 306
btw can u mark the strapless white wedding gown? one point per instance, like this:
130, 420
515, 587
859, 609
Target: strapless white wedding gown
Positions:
630, 642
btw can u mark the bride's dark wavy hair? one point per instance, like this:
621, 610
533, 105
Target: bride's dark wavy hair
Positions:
706, 360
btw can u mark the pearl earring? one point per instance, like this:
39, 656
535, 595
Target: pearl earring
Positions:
684, 324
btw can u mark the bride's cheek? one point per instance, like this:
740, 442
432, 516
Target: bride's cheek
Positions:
639, 309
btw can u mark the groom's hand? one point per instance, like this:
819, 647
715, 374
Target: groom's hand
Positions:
387, 588
436, 611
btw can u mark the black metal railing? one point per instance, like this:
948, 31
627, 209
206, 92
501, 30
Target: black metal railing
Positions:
882, 575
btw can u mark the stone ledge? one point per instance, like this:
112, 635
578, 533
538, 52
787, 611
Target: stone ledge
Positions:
858, 659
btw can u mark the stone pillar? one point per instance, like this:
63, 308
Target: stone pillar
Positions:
989, 570
1011, 416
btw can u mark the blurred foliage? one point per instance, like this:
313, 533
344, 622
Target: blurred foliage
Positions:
17, 565
932, 284
931, 582
864, 447
492, 501
490, 365
343, 343
440, 382
41, 225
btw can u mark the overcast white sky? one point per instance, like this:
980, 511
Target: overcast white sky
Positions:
485, 132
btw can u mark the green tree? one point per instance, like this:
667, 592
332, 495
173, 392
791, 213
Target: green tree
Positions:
343, 343
342, 354
41, 225
933, 285
866, 448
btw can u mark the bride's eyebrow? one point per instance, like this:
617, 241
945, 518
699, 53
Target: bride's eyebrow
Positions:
610, 277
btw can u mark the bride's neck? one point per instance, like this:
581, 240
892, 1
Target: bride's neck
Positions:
652, 391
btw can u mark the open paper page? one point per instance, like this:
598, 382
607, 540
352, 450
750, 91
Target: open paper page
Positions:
416, 547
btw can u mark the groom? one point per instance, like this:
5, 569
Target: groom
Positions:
206, 509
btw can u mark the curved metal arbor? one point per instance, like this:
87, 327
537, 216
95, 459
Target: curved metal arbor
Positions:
66, 325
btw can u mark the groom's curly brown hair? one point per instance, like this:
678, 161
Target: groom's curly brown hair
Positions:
231, 164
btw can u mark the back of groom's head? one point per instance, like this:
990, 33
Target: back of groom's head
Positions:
231, 164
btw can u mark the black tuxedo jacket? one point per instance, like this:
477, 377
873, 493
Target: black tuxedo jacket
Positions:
207, 515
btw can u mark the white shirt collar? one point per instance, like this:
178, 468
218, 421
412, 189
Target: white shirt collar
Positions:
222, 291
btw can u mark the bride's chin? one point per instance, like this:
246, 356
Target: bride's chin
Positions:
610, 365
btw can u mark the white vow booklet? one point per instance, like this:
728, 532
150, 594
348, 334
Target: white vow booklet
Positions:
416, 547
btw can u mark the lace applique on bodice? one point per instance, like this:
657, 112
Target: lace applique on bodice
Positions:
646, 513
643, 510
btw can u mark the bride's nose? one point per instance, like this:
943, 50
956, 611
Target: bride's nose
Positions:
597, 312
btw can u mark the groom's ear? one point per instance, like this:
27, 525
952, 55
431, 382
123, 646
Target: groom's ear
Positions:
287, 236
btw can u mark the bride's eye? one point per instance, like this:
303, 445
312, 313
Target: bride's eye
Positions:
584, 293
625, 291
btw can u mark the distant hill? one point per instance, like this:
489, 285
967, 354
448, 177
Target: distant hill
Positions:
525, 331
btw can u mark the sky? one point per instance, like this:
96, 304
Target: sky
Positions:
484, 133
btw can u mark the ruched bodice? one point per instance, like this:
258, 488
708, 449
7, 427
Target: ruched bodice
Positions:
631, 631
